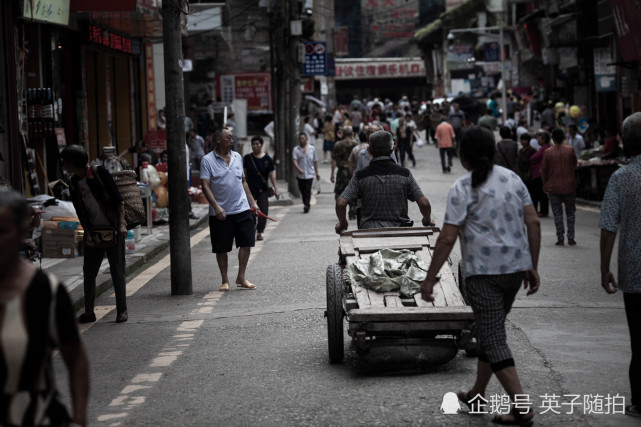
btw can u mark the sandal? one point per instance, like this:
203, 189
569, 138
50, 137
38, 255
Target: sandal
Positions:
224, 287
518, 420
246, 285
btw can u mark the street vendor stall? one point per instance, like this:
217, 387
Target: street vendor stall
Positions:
592, 177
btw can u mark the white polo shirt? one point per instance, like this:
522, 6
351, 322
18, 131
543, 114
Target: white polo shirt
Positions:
226, 182
306, 160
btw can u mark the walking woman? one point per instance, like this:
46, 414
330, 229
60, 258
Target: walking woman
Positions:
490, 208
36, 317
258, 167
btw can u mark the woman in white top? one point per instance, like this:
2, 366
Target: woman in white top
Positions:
490, 208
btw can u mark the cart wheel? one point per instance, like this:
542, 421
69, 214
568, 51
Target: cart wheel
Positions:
335, 313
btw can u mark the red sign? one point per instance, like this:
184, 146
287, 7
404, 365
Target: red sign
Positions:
156, 140
151, 88
627, 21
102, 6
308, 84
108, 39
256, 88
379, 69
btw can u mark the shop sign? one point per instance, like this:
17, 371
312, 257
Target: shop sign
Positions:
491, 52
315, 59
374, 69
308, 85
60, 137
627, 21
156, 140
151, 88
108, 39
103, 6
495, 67
48, 11
460, 53
256, 88
388, 19
604, 74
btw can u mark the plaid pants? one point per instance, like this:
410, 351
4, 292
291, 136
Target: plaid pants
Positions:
569, 200
491, 298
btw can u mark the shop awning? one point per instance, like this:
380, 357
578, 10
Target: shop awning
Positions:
457, 17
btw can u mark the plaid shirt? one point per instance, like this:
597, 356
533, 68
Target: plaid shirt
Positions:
384, 189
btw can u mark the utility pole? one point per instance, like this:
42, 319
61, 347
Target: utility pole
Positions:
295, 97
179, 236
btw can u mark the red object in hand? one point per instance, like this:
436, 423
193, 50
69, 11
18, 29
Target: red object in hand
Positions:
259, 213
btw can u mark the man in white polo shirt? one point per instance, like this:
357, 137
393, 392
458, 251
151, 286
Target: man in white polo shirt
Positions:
305, 162
229, 197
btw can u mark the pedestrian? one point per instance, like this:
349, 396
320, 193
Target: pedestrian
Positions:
259, 168
540, 198
340, 163
310, 132
521, 128
329, 137
457, 119
507, 151
404, 141
493, 107
233, 127
576, 140
444, 137
230, 200
384, 189
548, 116
356, 117
140, 148
306, 164
37, 317
525, 153
101, 211
500, 240
559, 183
488, 120
196, 145
620, 213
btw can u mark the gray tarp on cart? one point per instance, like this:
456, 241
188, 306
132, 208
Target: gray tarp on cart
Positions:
389, 270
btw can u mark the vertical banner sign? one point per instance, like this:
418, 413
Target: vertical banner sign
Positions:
315, 59
605, 77
151, 88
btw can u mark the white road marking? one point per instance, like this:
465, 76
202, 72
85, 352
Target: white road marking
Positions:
184, 332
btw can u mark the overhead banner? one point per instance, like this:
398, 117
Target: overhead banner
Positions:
370, 68
387, 24
48, 11
256, 88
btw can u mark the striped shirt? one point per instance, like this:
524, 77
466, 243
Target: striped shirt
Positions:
384, 189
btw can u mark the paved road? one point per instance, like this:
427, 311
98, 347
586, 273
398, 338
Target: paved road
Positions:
260, 357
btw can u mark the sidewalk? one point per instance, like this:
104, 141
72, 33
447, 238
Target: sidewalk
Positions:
69, 270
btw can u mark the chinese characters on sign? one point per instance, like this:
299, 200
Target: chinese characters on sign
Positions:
108, 39
50, 11
151, 89
254, 87
315, 59
379, 69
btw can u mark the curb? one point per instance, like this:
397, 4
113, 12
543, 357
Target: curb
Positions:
78, 295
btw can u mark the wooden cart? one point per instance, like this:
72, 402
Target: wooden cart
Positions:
433, 332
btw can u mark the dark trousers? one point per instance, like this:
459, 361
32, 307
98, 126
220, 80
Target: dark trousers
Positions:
262, 200
633, 313
91, 265
305, 187
450, 152
557, 201
405, 148
539, 198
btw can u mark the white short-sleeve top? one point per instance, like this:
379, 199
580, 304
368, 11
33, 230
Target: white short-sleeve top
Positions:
493, 236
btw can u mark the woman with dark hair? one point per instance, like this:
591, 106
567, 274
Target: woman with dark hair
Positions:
490, 208
329, 137
36, 317
258, 167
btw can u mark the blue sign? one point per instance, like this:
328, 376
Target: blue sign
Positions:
315, 59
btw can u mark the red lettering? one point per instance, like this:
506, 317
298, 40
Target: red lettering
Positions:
349, 70
403, 68
415, 68
382, 69
339, 71
388, 3
371, 3
370, 70
360, 70
392, 69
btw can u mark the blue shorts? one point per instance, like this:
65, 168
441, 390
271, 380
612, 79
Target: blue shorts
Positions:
328, 145
239, 227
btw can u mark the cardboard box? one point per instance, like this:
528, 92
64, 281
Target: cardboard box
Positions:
59, 243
